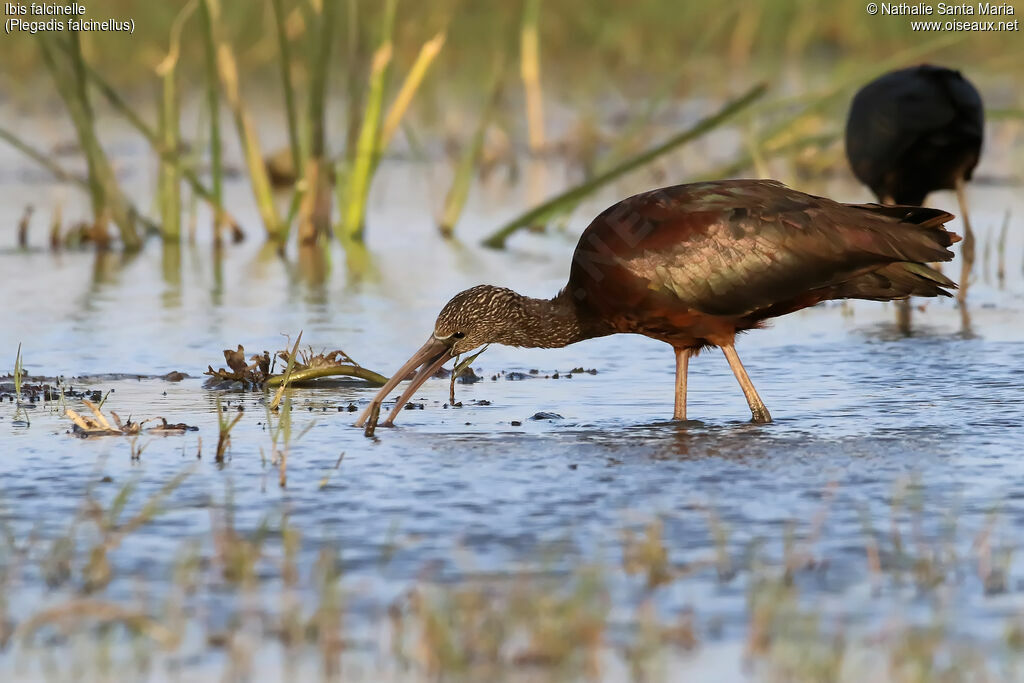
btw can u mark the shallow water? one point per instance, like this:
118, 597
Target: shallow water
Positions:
863, 414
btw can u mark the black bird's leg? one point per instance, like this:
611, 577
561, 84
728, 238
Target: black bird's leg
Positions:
757, 408
682, 363
967, 248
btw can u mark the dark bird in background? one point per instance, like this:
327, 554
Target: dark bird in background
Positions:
693, 265
914, 131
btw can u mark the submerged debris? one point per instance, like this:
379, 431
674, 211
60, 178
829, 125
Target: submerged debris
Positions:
306, 366
253, 374
99, 425
546, 416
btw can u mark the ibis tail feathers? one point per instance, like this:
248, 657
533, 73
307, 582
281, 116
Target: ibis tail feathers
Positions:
896, 281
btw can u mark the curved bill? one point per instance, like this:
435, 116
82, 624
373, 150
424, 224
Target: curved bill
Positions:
428, 359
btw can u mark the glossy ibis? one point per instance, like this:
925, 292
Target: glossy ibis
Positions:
692, 265
914, 131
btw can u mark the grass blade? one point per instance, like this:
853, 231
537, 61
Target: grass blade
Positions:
455, 200
427, 54
315, 210
284, 57
367, 146
227, 66
43, 160
287, 374
170, 173
529, 68
153, 137
213, 108
553, 206
107, 198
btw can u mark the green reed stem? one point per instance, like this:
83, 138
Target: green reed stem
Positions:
553, 206
364, 161
40, 158
227, 66
455, 200
285, 60
315, 212
212, 197
106, 194
308, 374
213, 107
170, 177
170, 168
529, 67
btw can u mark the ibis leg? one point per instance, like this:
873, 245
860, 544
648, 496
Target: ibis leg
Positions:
757, 409
903, 316
903, 305
682, 363
967, 248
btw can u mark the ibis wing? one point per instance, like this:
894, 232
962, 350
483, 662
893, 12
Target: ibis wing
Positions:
731, 248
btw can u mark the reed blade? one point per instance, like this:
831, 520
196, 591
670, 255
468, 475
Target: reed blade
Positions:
529, 67
553, 206
315, 208
212, 93
396, 112
107, 197
455, 200
227, 67
285, 60
357, 180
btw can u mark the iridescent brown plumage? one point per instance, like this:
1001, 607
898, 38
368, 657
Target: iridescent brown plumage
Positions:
693, 265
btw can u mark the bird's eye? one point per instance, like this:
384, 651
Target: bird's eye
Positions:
458, 335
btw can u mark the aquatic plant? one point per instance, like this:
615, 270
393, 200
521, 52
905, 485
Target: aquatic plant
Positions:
227, 68
224, 426
108, 200
572, 196
307, 365
455, 200
355, 176
529, 70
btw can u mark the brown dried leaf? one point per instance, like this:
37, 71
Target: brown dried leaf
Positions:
308, 359
236, 359
100, 419
262, 361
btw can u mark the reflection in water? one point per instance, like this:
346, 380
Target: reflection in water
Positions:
217, 290
107, 265
170, 268
903, 317
965, 322
314, 270
537, 187
359, 265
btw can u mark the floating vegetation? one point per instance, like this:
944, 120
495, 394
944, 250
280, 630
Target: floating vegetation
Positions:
99, 425
308, 365
224, 426
253, 374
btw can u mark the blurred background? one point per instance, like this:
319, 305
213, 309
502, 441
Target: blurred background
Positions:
235, 172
